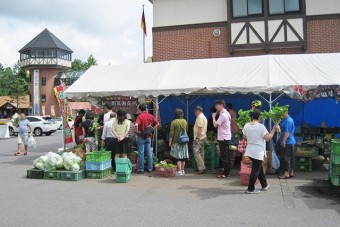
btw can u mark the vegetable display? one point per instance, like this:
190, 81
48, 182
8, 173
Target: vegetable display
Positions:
50, 161
164, 164
275, 114
243, 118
71, 161
95, 125
211, 137
53, 161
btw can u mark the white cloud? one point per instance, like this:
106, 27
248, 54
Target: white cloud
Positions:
108, 29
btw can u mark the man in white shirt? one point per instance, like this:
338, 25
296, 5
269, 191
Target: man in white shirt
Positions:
108, 136
109, 110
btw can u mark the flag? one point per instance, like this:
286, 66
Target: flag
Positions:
52, 111
143, 24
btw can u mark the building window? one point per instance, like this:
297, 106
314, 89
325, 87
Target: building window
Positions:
43, 81
244, 8
43, 98
283, 6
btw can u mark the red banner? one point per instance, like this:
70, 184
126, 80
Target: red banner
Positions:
68, 133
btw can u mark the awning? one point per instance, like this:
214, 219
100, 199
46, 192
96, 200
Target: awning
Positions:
255, 74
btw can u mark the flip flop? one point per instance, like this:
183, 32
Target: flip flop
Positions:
221, 176
25, 153
17, 154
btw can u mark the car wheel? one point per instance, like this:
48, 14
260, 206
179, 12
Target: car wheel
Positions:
38, 132
11, 131
60, 127
48, 134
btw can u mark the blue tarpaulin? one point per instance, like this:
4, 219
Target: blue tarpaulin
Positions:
312, 112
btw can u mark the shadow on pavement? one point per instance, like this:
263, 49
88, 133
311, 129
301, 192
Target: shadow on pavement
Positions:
211, 193
319, 194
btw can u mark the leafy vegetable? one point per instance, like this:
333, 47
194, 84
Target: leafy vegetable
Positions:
164, 164
50, 161
211, 137
243, 118
95, 125
275, 114
71, 161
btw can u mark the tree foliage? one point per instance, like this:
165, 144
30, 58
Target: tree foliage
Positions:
13, 83
78, 64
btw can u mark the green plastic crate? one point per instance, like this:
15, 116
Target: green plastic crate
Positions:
306, 151
193, 163
123, 178
210, 164
98, 156
335, 180
335, 169
210, 151
72, 175
335, 159
35, 173
336, 146
304, 168
98, 174
52, 175
123, 165
303, 161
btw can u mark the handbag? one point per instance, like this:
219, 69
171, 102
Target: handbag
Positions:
183, 137
146, 133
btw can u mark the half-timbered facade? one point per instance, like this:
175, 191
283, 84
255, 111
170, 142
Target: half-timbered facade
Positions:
188, 29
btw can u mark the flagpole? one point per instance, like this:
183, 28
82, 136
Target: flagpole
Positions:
143, 40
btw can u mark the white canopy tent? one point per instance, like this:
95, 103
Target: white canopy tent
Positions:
256, 74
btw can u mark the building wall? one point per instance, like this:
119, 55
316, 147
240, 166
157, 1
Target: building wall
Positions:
51, 100
184, 12
198, 41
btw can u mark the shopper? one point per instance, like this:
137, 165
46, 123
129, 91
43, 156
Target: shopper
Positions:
90, 141
233, 115
211, 127
200, 137
109, 110
223, 125
24, 131
78, 129
132, 132
287, 141
257, 135
145, 124
108, 137
120, 128
178, 151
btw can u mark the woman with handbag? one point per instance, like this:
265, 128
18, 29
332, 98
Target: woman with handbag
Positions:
178, 141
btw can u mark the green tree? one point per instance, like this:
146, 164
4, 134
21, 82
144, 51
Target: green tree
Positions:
78, 64
14, 83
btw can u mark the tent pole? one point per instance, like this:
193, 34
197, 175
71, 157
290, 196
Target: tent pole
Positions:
156, 133
187, 108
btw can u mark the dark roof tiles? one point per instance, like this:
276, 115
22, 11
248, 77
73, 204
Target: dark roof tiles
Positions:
45, 40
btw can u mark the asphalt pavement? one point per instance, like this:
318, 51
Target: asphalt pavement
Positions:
147, 200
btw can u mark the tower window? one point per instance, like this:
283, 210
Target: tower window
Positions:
283, 6
244, 8
43, 81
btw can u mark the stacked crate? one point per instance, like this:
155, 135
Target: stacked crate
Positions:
334, 168
123, 170
304, 164
98, 165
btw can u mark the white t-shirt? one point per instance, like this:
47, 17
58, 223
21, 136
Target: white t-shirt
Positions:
107, 117
256, 144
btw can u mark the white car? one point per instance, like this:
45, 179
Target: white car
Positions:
60, 122
12, 129
41, 126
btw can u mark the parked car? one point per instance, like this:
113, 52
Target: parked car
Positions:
13, 130
59, 120
52, 121
41, 126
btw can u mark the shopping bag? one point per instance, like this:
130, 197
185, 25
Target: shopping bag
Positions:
275, 160
31, 142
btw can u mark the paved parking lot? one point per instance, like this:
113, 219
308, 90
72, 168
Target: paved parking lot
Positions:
147, 200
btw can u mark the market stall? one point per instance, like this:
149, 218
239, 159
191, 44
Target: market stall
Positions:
266, 74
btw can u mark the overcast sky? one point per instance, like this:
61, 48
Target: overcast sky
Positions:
108, 29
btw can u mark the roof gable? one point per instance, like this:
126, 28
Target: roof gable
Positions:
45, 40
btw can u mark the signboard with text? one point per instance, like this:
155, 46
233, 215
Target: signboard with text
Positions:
129, 104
